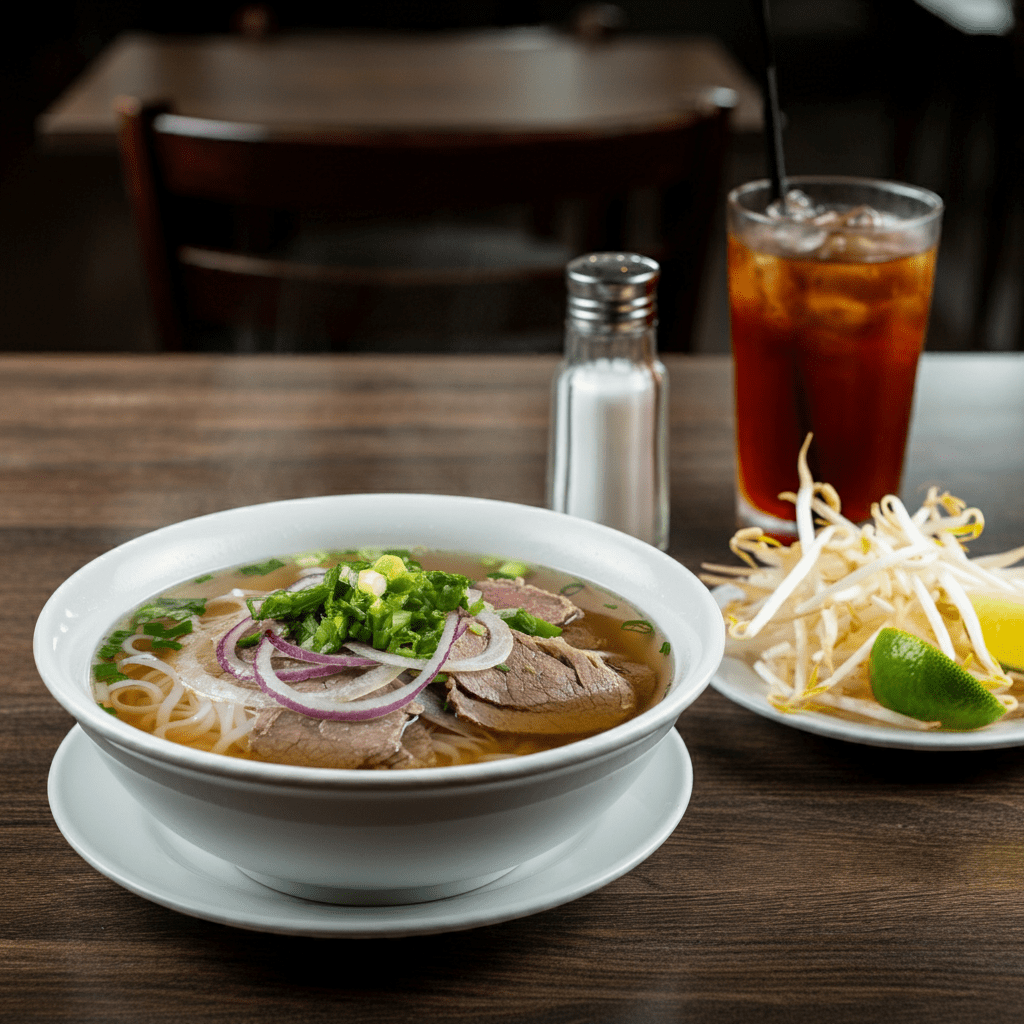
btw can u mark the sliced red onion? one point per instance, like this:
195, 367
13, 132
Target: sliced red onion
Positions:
232, 664
336, 660
310, 578
317, 705
498, 648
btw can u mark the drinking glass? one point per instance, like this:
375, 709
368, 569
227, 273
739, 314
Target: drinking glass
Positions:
829, 297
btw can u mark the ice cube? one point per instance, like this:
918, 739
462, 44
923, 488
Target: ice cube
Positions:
863, 218
796, 206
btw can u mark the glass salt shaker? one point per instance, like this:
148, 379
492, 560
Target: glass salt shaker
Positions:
608, 457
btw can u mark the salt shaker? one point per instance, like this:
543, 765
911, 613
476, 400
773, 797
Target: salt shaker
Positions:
608, 458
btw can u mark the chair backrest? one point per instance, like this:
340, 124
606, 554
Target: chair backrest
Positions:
211, 200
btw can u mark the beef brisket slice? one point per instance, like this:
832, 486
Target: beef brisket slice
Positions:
549, 687
544, 605
286, 737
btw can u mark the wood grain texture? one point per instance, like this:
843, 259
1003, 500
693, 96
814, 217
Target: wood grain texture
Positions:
809, 880
512, 80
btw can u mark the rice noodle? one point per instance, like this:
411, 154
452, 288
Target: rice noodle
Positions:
809, 614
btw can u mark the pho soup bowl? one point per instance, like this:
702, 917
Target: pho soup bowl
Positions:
377, 837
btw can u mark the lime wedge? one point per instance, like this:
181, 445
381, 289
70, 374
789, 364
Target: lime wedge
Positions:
1002, 626
915, 679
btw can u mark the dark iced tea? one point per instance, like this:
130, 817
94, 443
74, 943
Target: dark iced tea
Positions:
827, 327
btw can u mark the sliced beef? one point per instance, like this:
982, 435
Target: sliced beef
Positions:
549, 687
469, 645
287, 737
416, 751
577, 635
544, 605
641, 677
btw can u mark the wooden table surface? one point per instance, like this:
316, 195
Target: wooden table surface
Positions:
497, 80
810, 879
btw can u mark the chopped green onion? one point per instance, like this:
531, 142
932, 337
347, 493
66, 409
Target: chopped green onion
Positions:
531, 625
666, 648
571, 589
176, 608
308, 559
638, 626
262, 568
107, 672
510, 570
113, 642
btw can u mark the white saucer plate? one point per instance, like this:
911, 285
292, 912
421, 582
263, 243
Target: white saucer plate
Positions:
119, 838
738, 681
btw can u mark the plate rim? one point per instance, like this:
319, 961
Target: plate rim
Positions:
517, 896
725, 682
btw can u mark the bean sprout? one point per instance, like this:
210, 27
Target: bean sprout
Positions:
806, 616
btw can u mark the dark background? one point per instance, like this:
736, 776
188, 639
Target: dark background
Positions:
872, 87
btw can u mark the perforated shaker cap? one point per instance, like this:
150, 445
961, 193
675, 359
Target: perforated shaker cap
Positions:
616, 290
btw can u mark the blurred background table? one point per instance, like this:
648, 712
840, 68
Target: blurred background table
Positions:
809, 880
513, 79
580, 115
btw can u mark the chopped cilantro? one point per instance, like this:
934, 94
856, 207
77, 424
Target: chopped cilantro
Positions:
261, 568
109, 710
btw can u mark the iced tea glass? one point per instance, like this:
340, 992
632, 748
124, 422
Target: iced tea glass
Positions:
829, 306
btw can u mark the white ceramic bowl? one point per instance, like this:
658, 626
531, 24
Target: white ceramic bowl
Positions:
368, 837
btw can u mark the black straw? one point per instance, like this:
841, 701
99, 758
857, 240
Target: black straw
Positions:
772, 116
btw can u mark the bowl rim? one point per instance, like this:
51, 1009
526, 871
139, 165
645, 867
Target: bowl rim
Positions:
687, 683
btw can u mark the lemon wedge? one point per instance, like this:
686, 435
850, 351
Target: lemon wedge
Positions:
915, 679
1002, 626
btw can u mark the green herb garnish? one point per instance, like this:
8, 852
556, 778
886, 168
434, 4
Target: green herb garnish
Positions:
390, 603
163, 637
262, 568
571, 589
510, 570
203, 579
107, 672
176, 608
113, 642
638, 626
531, 625
666, 648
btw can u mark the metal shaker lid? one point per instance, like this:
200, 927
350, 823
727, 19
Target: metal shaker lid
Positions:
612, 290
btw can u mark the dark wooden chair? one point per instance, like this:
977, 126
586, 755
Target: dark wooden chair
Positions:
264, 230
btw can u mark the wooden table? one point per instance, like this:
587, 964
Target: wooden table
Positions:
810, 880
501, 80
